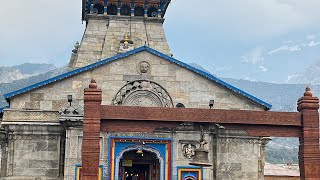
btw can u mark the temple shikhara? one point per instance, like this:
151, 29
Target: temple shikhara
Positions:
128, 110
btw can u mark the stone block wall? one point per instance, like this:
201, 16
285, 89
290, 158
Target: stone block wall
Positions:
33, 152
184, 86
103, 34
238, 157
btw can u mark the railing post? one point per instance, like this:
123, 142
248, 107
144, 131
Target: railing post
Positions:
91, 132
309, 152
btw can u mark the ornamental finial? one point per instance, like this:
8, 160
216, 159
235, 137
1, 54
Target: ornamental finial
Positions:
308, 92
93, 84
308, 101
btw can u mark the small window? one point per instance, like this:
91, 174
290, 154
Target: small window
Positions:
112, 9
152, 12
138, 11
98, 9
125, 10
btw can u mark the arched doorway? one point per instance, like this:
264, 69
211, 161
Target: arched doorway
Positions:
139, 163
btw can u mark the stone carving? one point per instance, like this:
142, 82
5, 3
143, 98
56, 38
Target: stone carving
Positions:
143, 67
188, 150
143, 93
35, 115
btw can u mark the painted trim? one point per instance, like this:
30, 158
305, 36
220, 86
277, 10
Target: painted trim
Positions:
140, 49
114, 157
79, 166
145, 148
180, 169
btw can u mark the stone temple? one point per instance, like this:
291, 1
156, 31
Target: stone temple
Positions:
125, 50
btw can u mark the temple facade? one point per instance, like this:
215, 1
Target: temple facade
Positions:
124, 49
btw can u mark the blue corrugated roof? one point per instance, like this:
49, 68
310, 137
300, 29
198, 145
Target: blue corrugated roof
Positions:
119, 56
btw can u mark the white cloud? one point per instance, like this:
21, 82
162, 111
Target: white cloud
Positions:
40, 31
263, 69
314, 43
255, 56
287, 41
285, 48
248, 18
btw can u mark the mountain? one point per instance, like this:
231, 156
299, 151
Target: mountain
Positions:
17, 83
311, 75
283, 97
10, 74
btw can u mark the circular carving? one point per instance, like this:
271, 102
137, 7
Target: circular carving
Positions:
144, 67
143, 93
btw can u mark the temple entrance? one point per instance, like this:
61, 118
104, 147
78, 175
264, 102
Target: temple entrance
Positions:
139, 165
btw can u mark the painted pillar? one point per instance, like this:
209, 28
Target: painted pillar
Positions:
132, 8
160, 9
91, 132
146, 11
90, 5
309, 152
119, 7
105, 4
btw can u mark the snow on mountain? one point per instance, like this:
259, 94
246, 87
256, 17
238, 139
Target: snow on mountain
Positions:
10, 74
310, 76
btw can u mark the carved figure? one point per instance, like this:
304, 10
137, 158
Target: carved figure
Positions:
189, 151
144, 67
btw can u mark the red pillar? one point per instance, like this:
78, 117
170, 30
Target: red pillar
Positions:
91, 132
309, 152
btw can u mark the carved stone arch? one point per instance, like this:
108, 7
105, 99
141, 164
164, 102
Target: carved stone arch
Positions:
143, 93
190, 178
144, 148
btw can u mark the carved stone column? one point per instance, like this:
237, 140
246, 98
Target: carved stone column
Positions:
91, 132
309, 153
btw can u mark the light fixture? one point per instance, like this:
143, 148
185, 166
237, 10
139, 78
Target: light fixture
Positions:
70, 99
211, 102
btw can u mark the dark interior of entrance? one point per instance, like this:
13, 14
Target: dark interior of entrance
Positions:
139, 165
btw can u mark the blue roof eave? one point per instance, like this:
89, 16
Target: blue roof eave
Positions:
119, 56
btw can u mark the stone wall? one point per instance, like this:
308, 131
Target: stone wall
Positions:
281, 178
184, 86
238, 157
103, 34
33, 147
33, 151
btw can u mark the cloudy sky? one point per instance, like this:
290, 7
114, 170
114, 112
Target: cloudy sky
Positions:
265, 40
